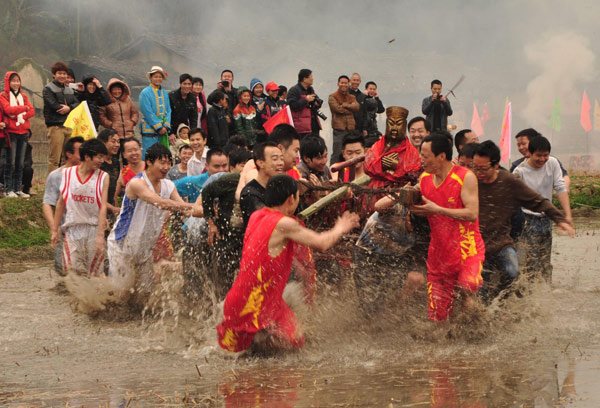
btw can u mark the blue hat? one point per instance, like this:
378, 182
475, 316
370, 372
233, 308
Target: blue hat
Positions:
254, 82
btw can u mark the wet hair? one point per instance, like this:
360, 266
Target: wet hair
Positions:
282, 90
539, 144
279, 189
352, 137
342, 77
370, 83
59, 66
468, 150
70, 145
105, 135
529, 132
196, 131
440, 143
196, 80
130, 139
215, 97
487, 149
184, 77
259, 151
304, 73
312, 146
91, 148
417, 119
284, 135
158, 152
238, 156
460, 138
215, 151
435, 82
184, 146
226, 70
236, 142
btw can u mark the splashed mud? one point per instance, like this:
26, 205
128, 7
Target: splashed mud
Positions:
542, 349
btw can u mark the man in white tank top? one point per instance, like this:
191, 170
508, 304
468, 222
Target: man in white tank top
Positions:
83, 195
148, 197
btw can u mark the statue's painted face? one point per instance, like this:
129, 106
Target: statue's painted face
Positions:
395, 127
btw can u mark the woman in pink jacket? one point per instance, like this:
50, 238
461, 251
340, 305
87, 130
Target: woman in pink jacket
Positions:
121, 115
17, 112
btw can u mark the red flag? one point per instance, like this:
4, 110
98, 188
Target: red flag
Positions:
585, 120
476, 125
506, 130
283, 116
485, 114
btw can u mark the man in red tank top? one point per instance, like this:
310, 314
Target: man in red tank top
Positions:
451, 204
255, 303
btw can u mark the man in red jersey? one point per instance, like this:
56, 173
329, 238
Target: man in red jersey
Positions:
255, 303
451, 204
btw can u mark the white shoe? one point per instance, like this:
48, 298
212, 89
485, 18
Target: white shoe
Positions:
11, 194
22, 194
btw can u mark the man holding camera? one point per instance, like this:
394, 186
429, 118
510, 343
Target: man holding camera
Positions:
305, 105
437, 107
343, 106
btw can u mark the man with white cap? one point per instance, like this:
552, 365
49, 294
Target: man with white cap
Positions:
156, 111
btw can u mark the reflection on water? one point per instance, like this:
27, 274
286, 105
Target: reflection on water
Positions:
542, 350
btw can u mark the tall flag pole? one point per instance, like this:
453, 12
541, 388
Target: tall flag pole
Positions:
585, 120
476, 125
506, 132
485, 114
596, 115
555, 122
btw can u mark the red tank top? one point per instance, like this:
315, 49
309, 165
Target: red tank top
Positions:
454, 240
128, 174
255, 299
294, 173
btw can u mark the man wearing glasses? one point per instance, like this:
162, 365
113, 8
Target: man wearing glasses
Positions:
500, 194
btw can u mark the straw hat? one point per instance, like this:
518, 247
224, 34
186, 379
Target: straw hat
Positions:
156, 69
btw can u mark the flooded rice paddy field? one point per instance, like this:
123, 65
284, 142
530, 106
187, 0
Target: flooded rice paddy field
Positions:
541, 350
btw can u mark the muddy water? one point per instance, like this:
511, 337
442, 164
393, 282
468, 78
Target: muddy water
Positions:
542, 350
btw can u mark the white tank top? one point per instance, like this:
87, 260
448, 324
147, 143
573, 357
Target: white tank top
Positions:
83, 198
139, 224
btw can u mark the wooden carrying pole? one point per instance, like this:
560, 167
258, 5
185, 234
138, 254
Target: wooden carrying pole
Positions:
331, 197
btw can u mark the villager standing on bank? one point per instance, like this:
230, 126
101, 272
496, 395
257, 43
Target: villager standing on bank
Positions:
59, 100
96, 97
156, 111
120, 115
17, 112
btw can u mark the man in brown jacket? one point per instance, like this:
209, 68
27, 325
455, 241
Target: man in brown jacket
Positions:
343, 106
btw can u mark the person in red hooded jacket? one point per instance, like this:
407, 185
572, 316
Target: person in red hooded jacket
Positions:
17, 112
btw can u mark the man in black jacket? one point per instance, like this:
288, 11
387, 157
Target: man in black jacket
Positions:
218, 125
183, 105
59, 100
370, 106
226, 86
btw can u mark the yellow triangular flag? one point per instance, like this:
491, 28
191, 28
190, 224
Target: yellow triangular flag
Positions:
596, 115
80, 120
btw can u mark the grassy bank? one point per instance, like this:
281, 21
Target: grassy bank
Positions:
24, 235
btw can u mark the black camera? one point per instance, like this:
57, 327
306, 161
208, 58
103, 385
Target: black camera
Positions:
225, 84
318, 101
321, 115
